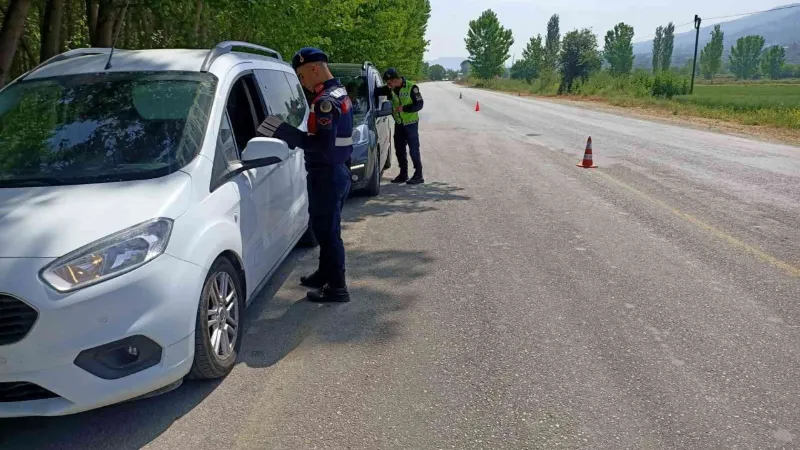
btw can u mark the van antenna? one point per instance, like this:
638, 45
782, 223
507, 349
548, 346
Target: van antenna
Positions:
116, 36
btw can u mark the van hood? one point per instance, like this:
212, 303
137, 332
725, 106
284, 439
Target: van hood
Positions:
49, 222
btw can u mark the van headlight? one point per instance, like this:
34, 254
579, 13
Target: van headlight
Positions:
109, 257
360, 135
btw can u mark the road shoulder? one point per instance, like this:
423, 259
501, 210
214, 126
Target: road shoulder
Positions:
761, 133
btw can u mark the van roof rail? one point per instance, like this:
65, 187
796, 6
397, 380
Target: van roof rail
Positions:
68, 55
227, 47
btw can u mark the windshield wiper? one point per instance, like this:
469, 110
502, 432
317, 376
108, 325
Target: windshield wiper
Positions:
115, 176
38, 181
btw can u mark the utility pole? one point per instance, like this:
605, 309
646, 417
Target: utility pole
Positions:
697, 21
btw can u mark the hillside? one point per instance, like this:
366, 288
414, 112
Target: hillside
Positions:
779, 27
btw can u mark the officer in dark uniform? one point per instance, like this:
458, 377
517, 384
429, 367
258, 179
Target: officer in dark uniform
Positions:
406, 103
327, 147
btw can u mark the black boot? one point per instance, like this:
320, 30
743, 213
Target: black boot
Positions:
329, 295
402, 178
315, 281
417, 178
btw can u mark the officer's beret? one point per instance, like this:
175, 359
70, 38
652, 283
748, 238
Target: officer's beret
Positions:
308, 55
390, 73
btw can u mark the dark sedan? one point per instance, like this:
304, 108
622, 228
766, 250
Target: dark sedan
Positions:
372, 132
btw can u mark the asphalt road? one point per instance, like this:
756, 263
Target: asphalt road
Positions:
517, 301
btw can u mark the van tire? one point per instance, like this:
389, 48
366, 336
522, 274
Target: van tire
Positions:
207, 363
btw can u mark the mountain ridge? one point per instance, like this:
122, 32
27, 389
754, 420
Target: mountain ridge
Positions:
778, 26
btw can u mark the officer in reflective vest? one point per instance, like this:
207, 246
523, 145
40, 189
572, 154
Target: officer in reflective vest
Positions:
407, 103
327, 147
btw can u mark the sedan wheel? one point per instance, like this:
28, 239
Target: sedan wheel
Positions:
218, 332
374, 186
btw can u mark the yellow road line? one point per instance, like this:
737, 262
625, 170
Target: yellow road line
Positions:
755, 251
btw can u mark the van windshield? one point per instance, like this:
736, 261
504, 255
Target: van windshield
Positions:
94, 128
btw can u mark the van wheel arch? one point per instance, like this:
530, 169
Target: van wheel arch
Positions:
237, 263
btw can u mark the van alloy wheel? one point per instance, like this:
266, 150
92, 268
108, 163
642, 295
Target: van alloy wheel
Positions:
223, 315
219, 325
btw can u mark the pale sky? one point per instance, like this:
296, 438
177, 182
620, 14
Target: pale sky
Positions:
449, 20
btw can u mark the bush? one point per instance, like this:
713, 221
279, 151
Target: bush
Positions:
547, 83
668, 85
638, 84
598, 83
641, 84
790, 71
504, 84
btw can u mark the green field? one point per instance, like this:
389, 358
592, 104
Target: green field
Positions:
730, 80
750, 104
745, 97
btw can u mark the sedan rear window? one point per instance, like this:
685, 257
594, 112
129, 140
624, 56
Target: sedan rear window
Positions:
357, 89
101, 127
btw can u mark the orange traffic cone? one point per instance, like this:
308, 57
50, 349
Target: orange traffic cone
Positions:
587, 162
477, 106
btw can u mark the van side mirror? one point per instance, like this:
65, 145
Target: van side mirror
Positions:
386, 109
263, 151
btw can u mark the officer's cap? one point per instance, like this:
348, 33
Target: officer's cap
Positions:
308, 55
390, 74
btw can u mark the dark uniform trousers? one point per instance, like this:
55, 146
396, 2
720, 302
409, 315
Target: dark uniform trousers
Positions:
407, 135
328, 187
327, 146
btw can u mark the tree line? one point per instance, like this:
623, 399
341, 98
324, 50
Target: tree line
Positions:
748, 58
437, 72
385, 32
569, 61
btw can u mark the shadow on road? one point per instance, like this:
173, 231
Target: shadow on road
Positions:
402, 199
278, 321
125, 426
281, 325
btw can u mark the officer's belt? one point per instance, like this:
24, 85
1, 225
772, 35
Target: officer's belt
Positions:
344, 141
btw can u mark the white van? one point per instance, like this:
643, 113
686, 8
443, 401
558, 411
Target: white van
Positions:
139, 214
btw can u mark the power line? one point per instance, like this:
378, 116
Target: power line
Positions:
754, 12
647, 38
